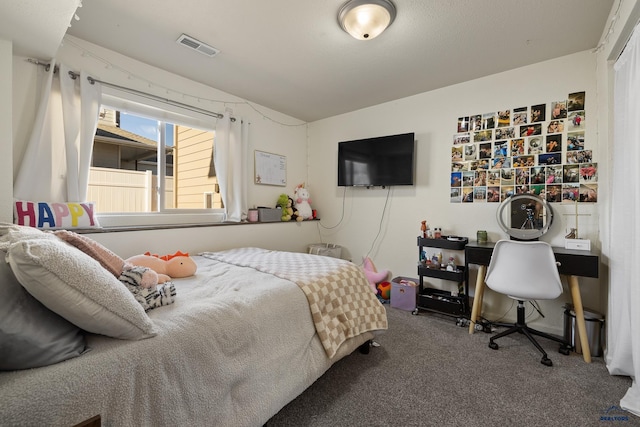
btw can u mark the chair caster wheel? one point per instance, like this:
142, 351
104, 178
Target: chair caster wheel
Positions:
415, 312
546, 361
493, 345
564, 349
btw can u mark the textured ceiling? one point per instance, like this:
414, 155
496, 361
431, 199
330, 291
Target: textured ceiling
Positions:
292, 56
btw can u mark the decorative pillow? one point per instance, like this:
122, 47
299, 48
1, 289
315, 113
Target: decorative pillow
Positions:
31, 335
55, 215
74, 285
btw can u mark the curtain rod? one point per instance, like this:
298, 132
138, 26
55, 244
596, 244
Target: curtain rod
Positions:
92, 80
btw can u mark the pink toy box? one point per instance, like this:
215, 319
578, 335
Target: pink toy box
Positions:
404, 291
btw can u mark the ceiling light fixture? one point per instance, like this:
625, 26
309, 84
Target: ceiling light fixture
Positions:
366, 19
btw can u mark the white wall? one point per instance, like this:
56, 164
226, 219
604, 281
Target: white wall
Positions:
433, 117
269, 131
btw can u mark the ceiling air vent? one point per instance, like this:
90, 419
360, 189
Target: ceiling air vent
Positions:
198, 46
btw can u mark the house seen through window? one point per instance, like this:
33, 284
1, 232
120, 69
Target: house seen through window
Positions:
142, 164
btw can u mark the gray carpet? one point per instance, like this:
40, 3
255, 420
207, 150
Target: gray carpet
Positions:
430, 372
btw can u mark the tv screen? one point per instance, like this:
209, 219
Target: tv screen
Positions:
380, 161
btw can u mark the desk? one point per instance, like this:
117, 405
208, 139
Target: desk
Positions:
573, 263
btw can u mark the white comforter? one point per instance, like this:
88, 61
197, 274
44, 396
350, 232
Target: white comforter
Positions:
236, 346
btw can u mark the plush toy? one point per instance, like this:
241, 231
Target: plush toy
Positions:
148, 298
294, 212
303, 203
168, 266
373, 275
141, 281
284, 202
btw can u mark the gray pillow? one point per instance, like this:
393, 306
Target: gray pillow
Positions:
31, 335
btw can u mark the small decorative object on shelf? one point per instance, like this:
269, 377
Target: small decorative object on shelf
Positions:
482, 236
437, 233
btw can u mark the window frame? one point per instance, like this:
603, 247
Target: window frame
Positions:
151, 108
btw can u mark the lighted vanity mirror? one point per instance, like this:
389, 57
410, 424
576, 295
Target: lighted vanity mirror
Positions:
525, 216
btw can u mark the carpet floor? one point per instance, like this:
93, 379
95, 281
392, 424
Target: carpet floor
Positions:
429, 372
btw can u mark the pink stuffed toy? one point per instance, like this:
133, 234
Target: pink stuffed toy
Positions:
373, 276
303, 203
168, 266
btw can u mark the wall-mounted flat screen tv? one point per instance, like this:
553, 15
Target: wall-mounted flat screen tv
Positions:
381, 161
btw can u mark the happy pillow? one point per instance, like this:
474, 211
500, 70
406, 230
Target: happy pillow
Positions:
50, 215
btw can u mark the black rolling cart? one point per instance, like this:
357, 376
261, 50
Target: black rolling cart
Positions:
438, 300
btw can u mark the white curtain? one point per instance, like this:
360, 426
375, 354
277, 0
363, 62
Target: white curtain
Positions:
55, 166
230, 160
623, 326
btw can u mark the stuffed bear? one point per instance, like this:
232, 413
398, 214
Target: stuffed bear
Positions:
303, 203
148, 298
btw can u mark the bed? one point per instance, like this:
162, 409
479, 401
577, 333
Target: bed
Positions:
246, 335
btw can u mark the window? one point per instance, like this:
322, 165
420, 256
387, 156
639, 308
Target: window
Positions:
148, 168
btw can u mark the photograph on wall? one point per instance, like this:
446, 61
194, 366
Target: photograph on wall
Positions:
570, 174
455, 196
457, 166
588, 172
467, 178
463, 124
483, 135
456, 154
519, 116
479, 194
480, 180
476, 122
589, 193
538, 149
535, 144
530, 130
576, 120
575, 141
489, 120
517, 147
537, 175
467, 195
553, 174
558, 110
504, 118
505, 133
538, 113
470, 152
549, 159
506, 176
484, 150
575, 101
461, 138
555, 126
456, 179
570, 192
554, 143
522, 176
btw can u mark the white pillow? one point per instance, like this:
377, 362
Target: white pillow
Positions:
74, 285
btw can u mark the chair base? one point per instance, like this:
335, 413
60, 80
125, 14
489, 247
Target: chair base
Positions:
522, 328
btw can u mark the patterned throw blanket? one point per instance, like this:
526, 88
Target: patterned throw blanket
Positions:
340, 298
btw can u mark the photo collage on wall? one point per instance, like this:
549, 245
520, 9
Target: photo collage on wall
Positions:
537, 149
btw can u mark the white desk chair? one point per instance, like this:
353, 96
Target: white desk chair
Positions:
525, 270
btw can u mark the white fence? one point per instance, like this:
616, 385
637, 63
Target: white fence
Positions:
118, 190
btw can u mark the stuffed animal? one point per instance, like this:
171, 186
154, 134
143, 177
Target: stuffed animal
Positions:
148, 298
285, 204
168, 266
373, 275
303, 203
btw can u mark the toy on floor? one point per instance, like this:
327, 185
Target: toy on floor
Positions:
373, 275
168, 266
384, 290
